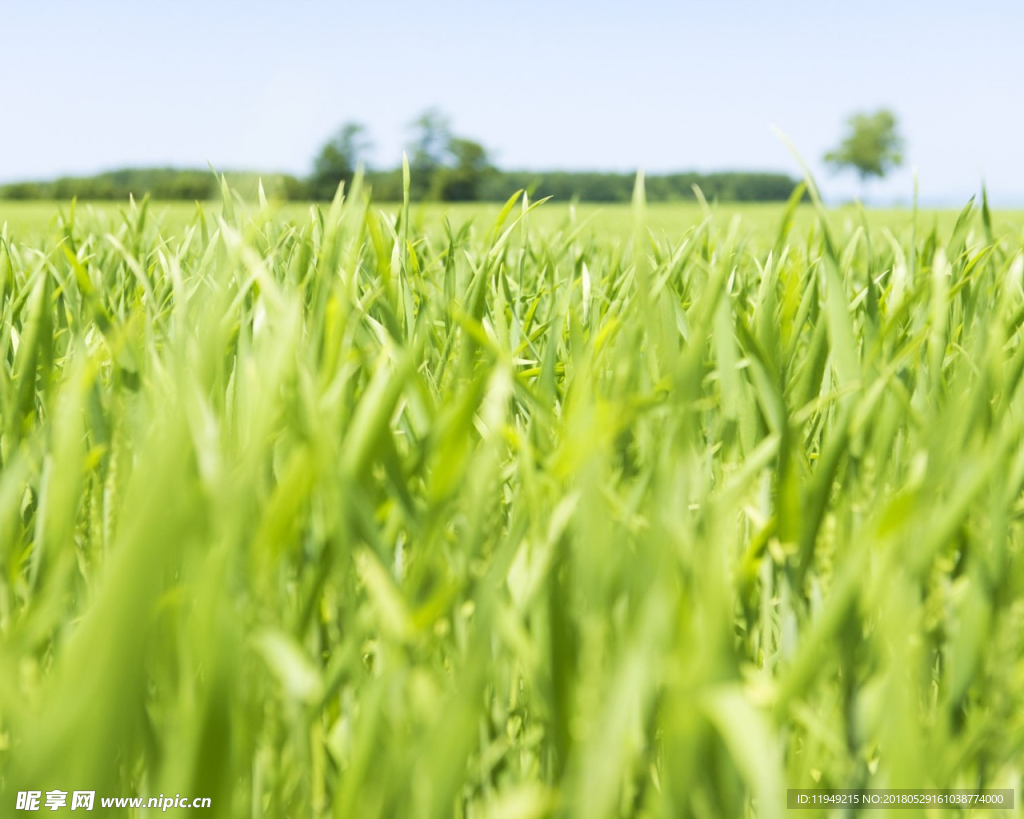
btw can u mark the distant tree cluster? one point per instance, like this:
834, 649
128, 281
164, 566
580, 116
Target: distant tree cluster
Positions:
449, 168
443, 167
160, 183
337, 161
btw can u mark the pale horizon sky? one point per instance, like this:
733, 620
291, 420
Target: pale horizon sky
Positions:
91, 86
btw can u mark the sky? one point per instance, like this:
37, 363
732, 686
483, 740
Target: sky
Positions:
652, 84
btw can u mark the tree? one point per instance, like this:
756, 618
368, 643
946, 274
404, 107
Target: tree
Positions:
461, 181
872, 146
428, 151
338, 160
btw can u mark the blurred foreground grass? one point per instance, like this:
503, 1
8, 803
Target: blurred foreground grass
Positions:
340, 513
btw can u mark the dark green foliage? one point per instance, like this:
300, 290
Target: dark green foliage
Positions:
428, 151
23, 191
871, 147
337, 161
168, 184
461, 181
740, 186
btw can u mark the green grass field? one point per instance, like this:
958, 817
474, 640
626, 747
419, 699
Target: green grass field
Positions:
629, 513
35, 220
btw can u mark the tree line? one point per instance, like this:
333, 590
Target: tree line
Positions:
443, 167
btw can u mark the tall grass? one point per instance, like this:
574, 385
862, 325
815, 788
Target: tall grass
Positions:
339, 519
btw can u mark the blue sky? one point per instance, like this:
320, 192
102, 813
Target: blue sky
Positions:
650, 83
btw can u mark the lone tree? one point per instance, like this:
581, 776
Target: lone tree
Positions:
338, 160
872, 146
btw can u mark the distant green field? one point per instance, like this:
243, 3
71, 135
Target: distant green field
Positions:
32, 220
